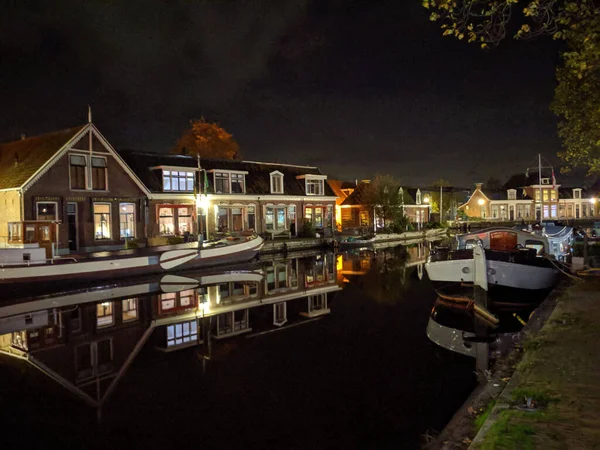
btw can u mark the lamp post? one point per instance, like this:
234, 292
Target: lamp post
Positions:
202, 207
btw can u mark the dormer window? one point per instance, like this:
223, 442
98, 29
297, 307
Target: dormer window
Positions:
418, 197
512, 194
276, 182
314, 184
545, 180
401, 195
178, 181
229, 181
576, 193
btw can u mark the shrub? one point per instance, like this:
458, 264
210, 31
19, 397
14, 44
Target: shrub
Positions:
308, 231
172, 240
131, 243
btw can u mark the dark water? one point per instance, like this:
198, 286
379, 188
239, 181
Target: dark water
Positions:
351, 367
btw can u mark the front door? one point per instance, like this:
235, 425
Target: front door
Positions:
511, 212
72, 225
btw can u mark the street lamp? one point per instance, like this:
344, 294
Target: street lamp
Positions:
481, 202
202, 204
426, 200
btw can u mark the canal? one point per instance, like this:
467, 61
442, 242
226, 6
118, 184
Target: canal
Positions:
320, 351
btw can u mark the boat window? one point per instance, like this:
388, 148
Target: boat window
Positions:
470, 243
537, 245
503, 240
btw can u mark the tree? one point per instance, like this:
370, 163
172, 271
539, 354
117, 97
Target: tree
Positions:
382, 195
448, 199
207, 139
577, 22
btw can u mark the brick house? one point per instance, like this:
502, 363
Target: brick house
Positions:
232, 196
74, 178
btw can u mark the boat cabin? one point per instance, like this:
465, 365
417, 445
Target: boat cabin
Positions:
504, 240
30, 241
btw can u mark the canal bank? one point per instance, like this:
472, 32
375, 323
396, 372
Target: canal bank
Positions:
555, 367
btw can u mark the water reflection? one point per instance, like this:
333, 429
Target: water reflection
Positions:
86, 340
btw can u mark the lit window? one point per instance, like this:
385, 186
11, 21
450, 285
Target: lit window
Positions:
101, 221
127, 220
130, 309
47, 211
182, 333
166, 221
178, 181
184, 220
251, 217
104, 315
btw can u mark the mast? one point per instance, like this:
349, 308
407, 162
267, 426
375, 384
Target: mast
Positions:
540, 181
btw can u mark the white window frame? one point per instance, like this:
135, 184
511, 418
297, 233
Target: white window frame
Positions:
577, 193
110, 230
315, 182
228, 173
121, 222
85, 172
37, 215
511, 194
418, 199
179, 171
273, 176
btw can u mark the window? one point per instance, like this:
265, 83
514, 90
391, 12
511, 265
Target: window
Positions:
292, 217
251, 218
276, 183
184, 220
182, 333
318, 218
237, 220
99, 174
127, 220
279, 313
222, 219
512, 194
77, 165
166, 221
47, 211
104, 315
280, 218
576, 193
546, 195
221, 183
418, 199
15, 231
308, 214
237, 183
314, 187
553, 195
130, 309
178, 181
269, 216
494, 211
537, 195
553, 211
101, 221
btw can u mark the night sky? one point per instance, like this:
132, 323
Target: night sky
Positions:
355, 87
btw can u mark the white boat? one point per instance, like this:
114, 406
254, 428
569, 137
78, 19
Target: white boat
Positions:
34, 262
520, 266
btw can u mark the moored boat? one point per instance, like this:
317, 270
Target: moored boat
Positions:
31, 262
520, 266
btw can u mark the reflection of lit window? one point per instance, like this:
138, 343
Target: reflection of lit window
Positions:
182, 333
130, 311
186, 297
101, 221
104, 314
127, 220
166, 221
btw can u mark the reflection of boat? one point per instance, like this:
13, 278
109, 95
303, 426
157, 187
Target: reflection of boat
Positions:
519, 265
352, 241
458, 328
28, 263
87, 339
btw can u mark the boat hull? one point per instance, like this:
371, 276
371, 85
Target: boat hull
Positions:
507, 281
110, 268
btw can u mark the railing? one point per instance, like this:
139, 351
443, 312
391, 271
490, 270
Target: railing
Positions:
29, 263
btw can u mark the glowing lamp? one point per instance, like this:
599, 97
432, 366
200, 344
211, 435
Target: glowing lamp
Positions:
592, 201
202, 202
481, 202
426, 199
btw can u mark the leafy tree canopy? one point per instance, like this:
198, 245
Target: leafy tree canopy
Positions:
382, 195
577, 22
207, 139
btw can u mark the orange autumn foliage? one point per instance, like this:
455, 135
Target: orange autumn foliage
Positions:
209, 140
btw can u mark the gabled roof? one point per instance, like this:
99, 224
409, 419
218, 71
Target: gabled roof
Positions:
340, 187
358, 196
20, 160
258, 180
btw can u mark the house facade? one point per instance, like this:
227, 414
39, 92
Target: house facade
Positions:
354, 212
188, 195
71, 189
525, 199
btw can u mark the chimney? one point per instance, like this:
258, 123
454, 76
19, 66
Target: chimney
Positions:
478, 185
23, 136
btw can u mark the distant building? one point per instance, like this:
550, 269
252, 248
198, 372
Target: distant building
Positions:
523, 198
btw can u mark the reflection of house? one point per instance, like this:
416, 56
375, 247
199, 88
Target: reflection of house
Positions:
236, 195
74, 177
522, 197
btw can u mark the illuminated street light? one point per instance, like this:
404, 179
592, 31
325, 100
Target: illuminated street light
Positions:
593, 201
426, 199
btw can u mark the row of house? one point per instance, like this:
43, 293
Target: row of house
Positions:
528, 197
71, 189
